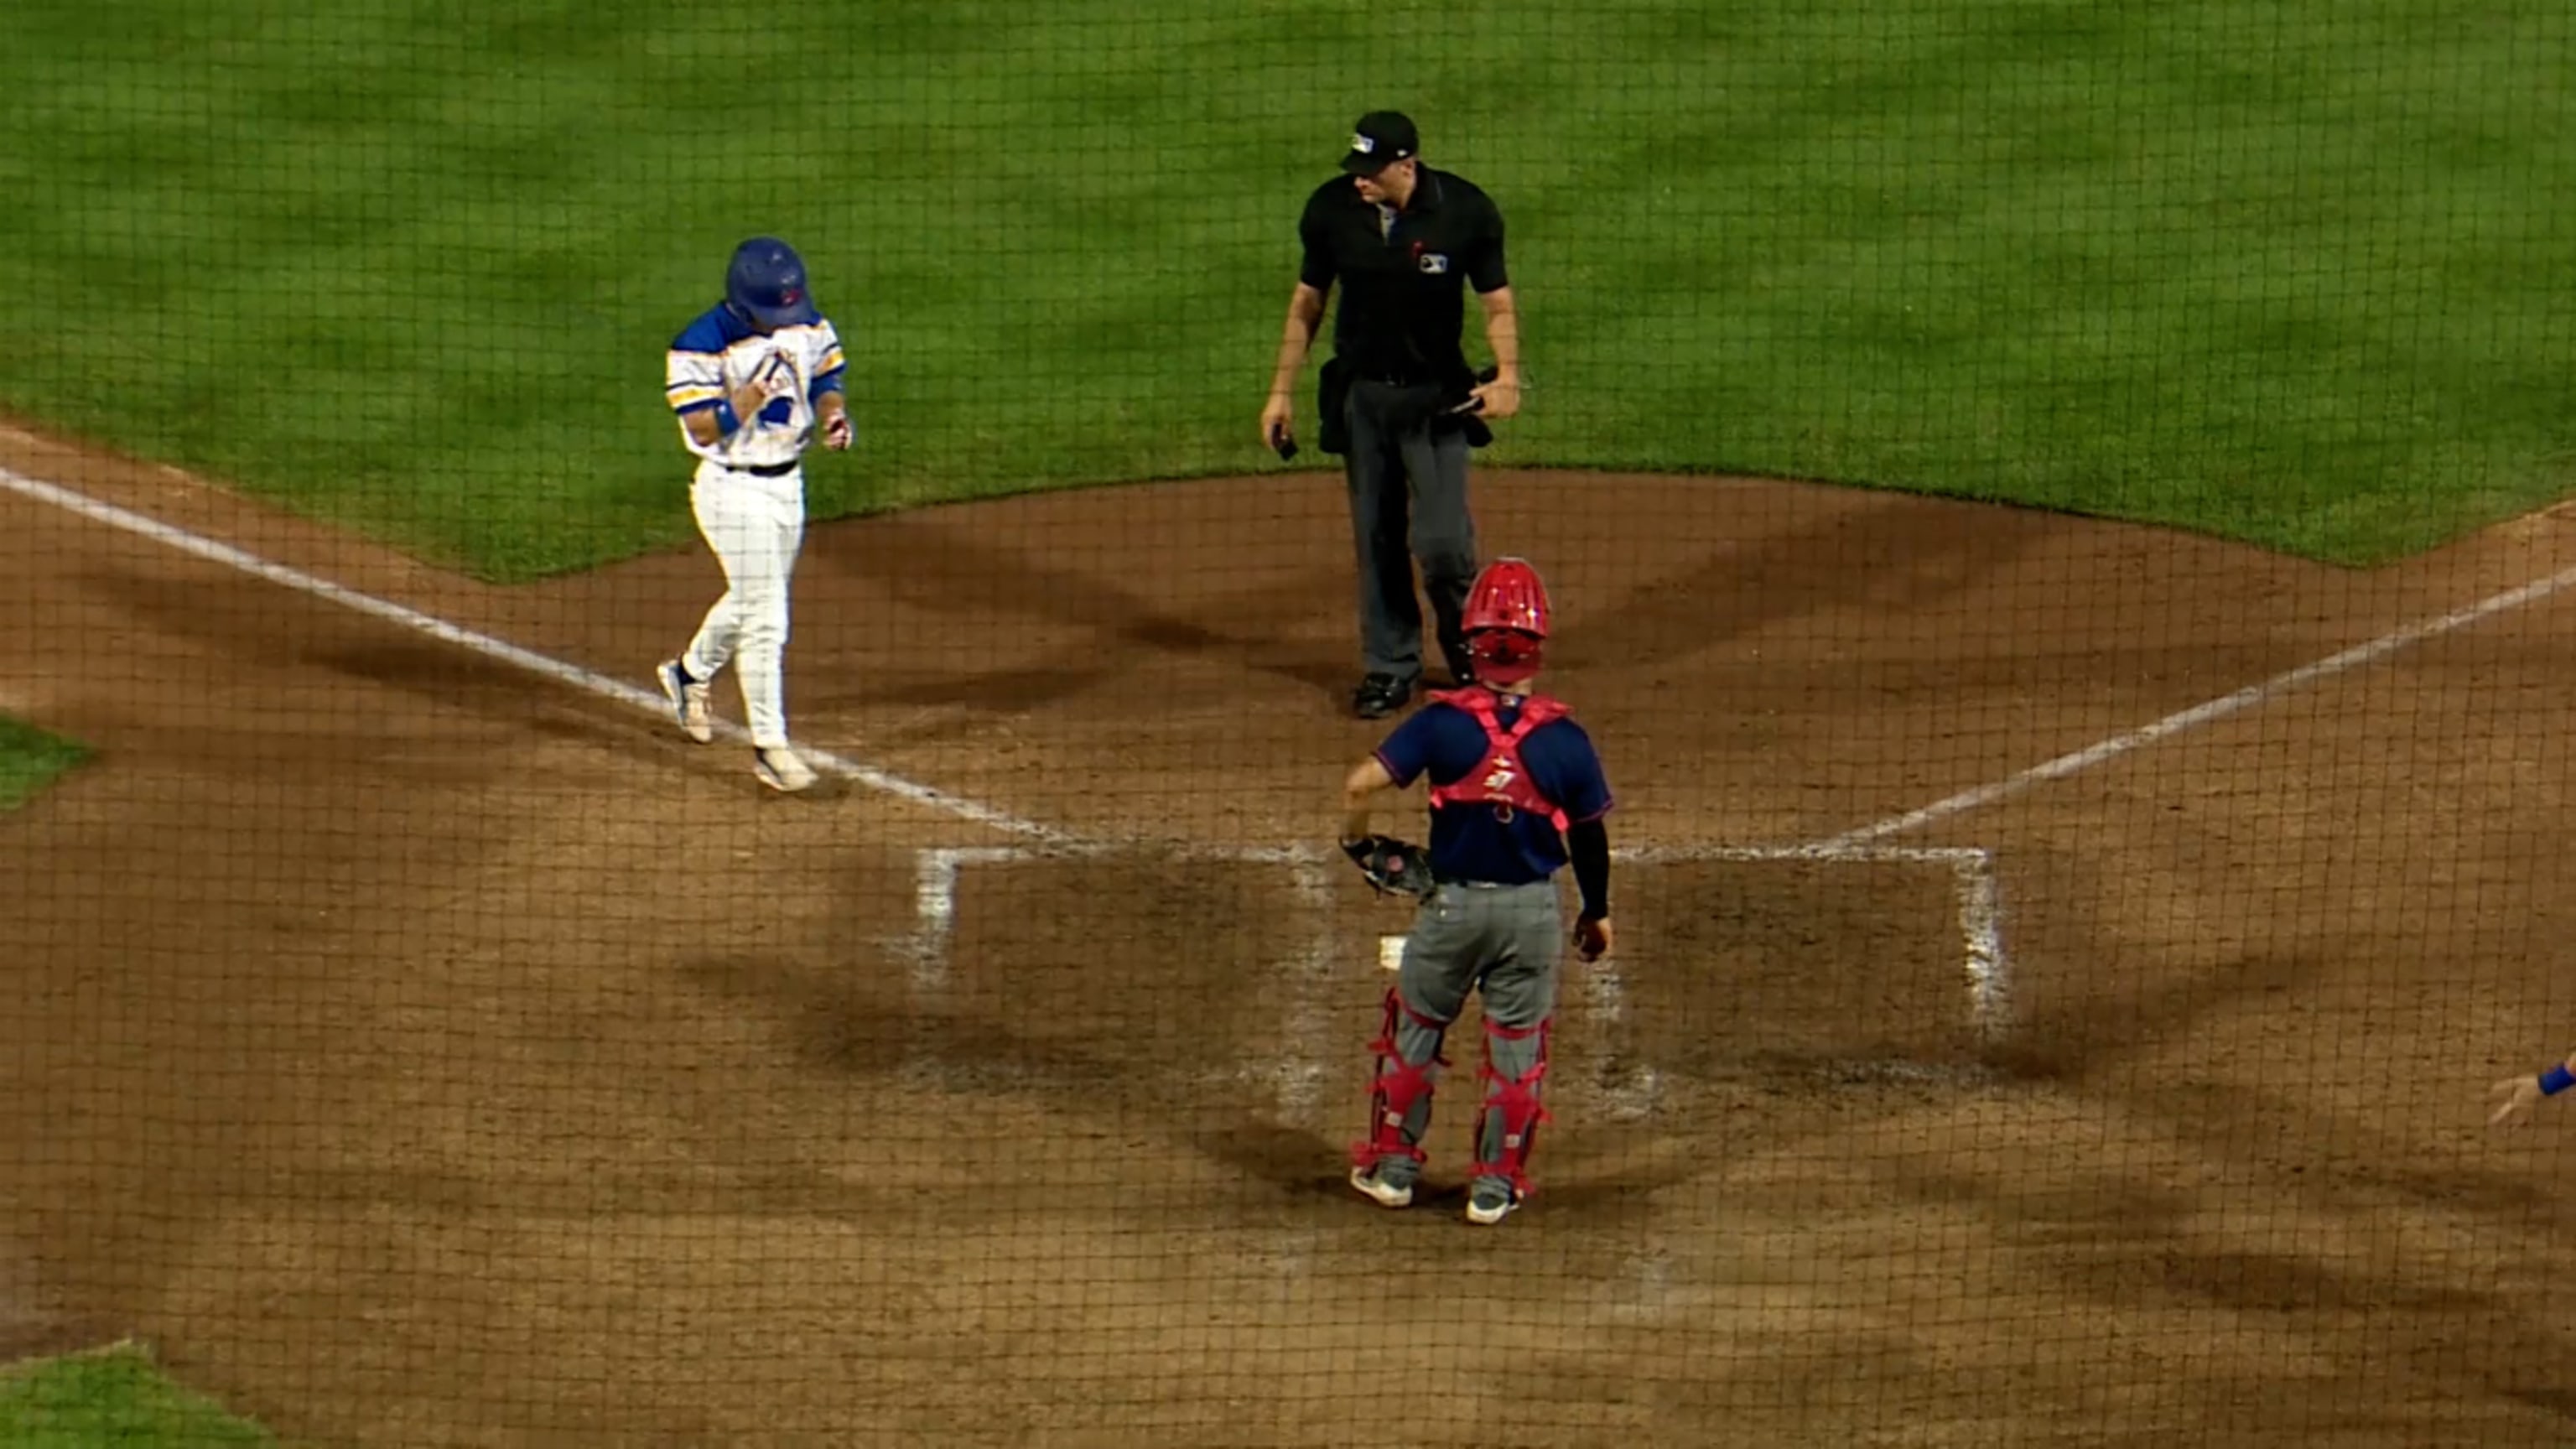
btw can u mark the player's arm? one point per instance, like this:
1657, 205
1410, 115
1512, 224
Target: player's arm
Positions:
1359, 796
1401, 759
835, 415
1584, 793
711, 412
831, 408
1587, 844
2518, 1095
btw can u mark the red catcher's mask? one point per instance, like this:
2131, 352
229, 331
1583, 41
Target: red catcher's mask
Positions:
1506, 621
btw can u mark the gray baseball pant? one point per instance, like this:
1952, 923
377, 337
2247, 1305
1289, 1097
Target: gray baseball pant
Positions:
1500, 941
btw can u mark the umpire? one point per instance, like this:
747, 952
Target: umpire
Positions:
1397, 399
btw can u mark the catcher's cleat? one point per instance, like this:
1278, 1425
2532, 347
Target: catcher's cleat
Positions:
688, 701
1490, 1204
780, 769
1378, 1190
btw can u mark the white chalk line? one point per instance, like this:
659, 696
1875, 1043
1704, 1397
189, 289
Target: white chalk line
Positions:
1979, 911
502, 651
1631, 1091
936, 885
2203, 713
1982, 934
1297, 1078
1299, 1075
935, 905
936, 881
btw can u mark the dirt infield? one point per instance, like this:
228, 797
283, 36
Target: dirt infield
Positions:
421, 1054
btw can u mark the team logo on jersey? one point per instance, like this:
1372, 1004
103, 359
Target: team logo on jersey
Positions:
1498, 782
1433, 264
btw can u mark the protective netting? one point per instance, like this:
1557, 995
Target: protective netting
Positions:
2078, 861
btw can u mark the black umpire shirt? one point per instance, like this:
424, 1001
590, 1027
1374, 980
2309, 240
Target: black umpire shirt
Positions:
1402, 307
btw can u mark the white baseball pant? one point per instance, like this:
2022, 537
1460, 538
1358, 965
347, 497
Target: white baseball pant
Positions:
756, 525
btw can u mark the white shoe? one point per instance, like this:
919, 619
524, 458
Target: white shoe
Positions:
1384, 1194
688, 701
1487, 1206
780, 769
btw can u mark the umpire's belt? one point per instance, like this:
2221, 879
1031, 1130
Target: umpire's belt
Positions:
765, 470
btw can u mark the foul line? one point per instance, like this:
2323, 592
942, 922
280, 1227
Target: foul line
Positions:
502, 651
2201, 714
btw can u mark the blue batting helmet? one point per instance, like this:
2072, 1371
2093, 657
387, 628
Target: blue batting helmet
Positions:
766, 283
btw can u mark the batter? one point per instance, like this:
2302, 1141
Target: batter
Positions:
751, 381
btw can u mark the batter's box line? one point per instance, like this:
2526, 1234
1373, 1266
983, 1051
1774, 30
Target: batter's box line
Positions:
1974, 889
1297, 1077
937, 867
1978, 898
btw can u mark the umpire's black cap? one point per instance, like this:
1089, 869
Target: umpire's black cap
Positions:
1381, 139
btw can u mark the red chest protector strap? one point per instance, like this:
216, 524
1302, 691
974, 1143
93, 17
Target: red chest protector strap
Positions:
1500, 780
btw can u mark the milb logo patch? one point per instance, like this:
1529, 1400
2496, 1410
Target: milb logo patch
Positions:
1433, 264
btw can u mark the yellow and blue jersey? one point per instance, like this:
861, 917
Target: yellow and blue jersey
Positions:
720, 352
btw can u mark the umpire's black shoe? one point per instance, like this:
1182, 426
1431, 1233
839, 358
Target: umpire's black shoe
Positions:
1381, 695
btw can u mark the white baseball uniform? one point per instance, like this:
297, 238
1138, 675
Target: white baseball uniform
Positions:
749, 494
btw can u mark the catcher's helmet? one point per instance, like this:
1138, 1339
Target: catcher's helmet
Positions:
766, 283
1505, 620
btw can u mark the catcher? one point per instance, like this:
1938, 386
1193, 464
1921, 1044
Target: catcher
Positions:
1515, 791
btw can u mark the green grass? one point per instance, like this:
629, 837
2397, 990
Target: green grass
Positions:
29, 761
114, 1398
2288, 273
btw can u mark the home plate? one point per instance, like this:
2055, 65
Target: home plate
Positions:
1390, 952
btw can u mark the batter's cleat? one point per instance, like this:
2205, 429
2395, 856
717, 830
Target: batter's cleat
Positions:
688, 701
780, 769
1490, 1204
1380, 695
1377, 1190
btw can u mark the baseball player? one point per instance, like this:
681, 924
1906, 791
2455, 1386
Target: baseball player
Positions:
751, 380
1516, 790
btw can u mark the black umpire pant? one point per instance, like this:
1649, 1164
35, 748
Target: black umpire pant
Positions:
1408, 482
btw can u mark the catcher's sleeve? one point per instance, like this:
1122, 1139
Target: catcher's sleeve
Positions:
1589, 845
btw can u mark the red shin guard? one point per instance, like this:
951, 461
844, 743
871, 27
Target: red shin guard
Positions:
1516, 1098
1397, 1087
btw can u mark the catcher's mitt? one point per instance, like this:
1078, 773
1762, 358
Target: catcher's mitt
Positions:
1394, 867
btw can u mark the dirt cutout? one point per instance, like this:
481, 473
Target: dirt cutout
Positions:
417, 1053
